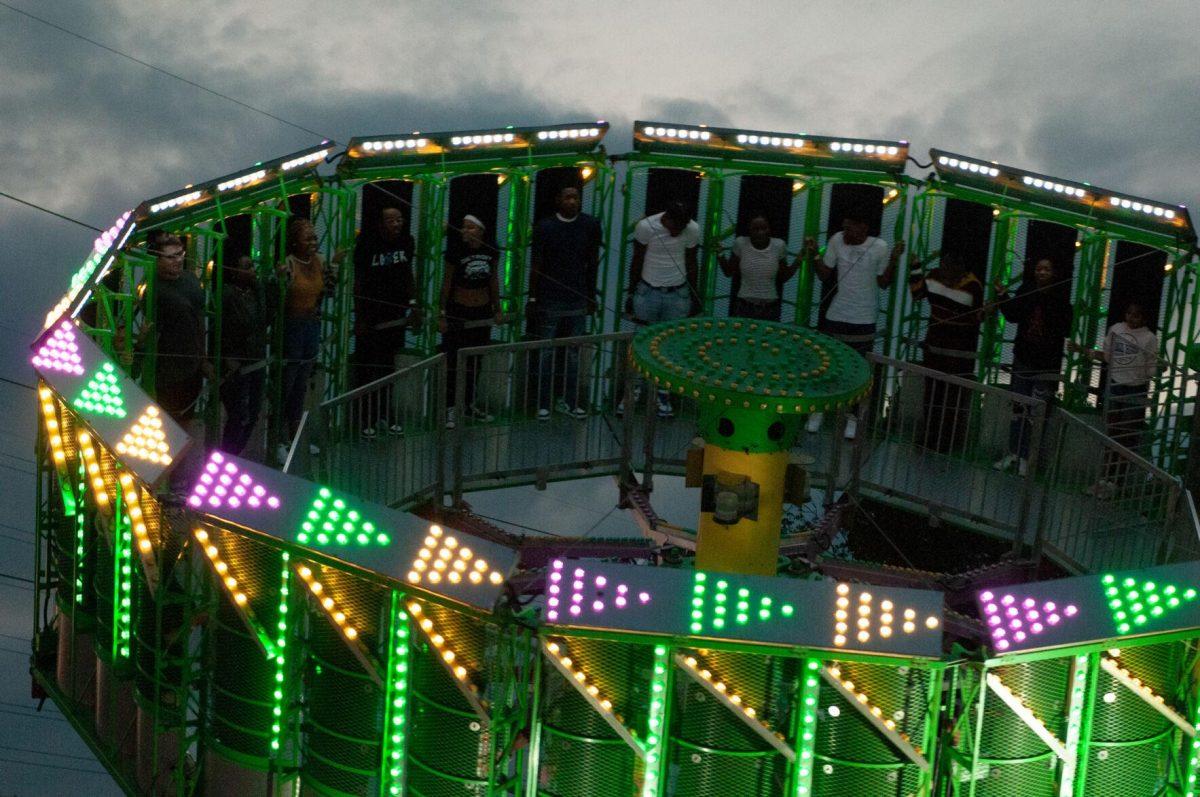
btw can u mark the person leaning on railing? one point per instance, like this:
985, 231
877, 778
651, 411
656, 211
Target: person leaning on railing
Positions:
1041, 310
955, 298
757, 265
470, 303
307, 279
1131, 351
384, 306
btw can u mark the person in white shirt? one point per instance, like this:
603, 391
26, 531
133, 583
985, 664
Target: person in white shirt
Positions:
1131, 352
859, 265
663, 274
758, 266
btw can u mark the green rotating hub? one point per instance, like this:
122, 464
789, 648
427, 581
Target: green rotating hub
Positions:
759, 375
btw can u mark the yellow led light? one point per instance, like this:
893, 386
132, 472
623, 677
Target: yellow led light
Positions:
239, 598
552, 647
593, 690
465, 553
460, 672
435, 576
426, 624
735, 699
843, 589
437, 639
305, 573
202, 535
580, 676
351, 633
230, 582
864, 597
221, 567
425, 553
863, 636
327, 602
454, 577
435, 530
885, 631
420, 565
750, 712
451, 542
144, 546
448, 656
495, 577
910, 614
839, 640
475, 577
414, 576
910, 627
931, 622
566, 661
459, 565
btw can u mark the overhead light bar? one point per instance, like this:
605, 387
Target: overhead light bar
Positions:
1080, 196
176, 201
305, 160
771, 145
581, 136
103, 251
242, 180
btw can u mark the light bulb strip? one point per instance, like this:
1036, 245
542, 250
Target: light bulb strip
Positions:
874, 715
1193, 761
699, 671
175, 201
1155, 701
805, 729
555, 650
54, 435
241, 181
279, 694
347, 630
1028, 717
80, 534
95, 475
395, 732
447, 657
122, 542
304, 160
1076, 700
231, 584
136, 516
656, 722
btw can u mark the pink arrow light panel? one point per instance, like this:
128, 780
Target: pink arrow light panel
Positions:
1011, 620
589, 592
223, 484
60, 352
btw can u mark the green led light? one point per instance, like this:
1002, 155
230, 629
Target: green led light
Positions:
718, 610
805, 731
102, 394
122, 580
394, 758
329, 515
655, 730
280, 659
1140, 602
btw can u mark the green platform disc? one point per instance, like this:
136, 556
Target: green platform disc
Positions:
752, 373
735, 362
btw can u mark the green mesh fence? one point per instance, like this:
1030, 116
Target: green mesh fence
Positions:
343, 727
241, 688
1130, 747
851, 756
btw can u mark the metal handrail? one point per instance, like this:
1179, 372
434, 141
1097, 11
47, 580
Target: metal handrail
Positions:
370, 387
970, 384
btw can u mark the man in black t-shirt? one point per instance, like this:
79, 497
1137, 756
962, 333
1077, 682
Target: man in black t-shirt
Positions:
384, 305
562, 294
179, 365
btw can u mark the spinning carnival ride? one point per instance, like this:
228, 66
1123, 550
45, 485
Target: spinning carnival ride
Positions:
336, 628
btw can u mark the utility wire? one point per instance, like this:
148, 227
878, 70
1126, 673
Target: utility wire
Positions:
162, 71
54, 766
36, 206
16, 578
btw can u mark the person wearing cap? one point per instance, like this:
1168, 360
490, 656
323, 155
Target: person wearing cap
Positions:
565, 259
470, 303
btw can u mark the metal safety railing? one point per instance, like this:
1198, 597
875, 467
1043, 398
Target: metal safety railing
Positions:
549, 410
535, 411
1104, 503
385, 441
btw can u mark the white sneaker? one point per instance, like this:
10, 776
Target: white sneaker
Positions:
851, 427
451, 417
396, 429
1005, 462
543, 414
665, 410
813, 424
1022, 467
281, 452
369, 433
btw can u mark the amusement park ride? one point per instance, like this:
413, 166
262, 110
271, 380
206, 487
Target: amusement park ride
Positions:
346, 625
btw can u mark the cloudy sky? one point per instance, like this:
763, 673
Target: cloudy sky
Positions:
1103, 91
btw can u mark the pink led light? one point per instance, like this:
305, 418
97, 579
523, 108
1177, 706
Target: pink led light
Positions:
59, 352
230, 487
589, 592
1016, 625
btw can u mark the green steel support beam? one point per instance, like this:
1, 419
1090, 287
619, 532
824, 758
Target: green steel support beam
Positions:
710, 239
662, 685
804, 727
814, 194
395, 732
1081, 704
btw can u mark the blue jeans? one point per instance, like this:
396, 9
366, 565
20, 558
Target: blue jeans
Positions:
552, 323
651, 305
1020, 428
242, 396
301, 341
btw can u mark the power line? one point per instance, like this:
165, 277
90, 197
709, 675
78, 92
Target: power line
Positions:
162, 71
6, 380
32, 716
17, 470
47, 752
36, 206
16, 539
54, 766
16, 578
